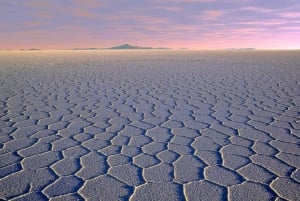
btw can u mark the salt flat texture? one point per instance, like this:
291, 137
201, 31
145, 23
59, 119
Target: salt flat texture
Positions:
149, 125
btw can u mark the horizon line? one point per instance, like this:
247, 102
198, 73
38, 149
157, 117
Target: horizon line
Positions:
164, 48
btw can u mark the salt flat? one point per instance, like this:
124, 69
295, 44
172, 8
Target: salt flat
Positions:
150, 125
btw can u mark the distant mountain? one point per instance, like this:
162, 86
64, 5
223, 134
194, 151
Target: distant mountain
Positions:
132, 47
31, 49
121, 47
127, 46
241, 49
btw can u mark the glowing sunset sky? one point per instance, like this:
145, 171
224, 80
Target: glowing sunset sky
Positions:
195, 24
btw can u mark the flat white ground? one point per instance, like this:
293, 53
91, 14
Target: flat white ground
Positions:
149, 125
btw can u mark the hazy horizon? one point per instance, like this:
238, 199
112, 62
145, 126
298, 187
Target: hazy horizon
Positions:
153, 48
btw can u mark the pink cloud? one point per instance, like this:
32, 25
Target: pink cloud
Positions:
39, 4
212, 14
201, 1
256, 9
144, 19
249, 30
196, 0
169, 8
83, 13
189, 1
290, 15
48, 10
89, 3
264, 23
149, 19
43, 14
34, 23
291, 28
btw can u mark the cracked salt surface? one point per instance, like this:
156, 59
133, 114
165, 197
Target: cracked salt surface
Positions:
149, 125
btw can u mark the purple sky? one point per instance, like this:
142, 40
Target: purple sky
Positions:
195, 24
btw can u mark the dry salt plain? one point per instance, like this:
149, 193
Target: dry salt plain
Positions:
149, 125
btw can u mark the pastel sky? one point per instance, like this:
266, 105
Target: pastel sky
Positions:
194, 24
